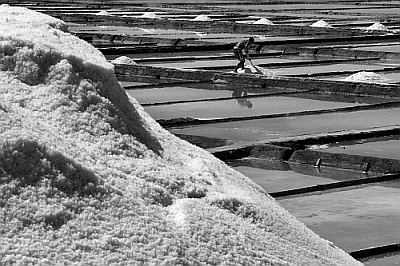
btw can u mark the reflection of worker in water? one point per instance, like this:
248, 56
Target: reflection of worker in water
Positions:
238, 51
243, 102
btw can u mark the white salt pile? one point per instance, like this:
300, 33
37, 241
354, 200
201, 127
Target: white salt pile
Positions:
321, 24
263, 21
376, 26
88, 178
202, 18
152, 15
123, 60
364, 76
103, 13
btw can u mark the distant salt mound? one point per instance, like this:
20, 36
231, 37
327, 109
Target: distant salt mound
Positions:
123, 60
149, 31
364, 76
89, 178
201, 34
151, 15
103, 13
202, 18
377, 26
321, 24
263, 21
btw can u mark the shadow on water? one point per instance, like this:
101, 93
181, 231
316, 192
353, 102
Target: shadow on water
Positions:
241, 100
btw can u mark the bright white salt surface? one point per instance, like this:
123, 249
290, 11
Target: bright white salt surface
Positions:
89, 178
321, 24
202, 18
263, 21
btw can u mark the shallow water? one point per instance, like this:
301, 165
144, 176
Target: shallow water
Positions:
352, 219
280, 176
241, 107
384, 149
269, 129
176, 93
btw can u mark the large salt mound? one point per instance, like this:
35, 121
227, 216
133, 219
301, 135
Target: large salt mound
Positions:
263, 21
377, 26
364, 76
321, 24
88, 178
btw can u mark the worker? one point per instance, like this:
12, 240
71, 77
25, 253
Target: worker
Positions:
238, 51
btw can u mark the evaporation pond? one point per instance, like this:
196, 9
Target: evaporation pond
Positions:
241, 107
352, 219
274, 128
385, 149
178, 93
279, 176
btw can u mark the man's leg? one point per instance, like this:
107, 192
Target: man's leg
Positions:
239, 56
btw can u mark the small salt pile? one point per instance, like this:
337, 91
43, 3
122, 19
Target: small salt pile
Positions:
202, 18
263, 21
321, 24
377, 26
364, 76
150, 15
103, 13
123, 60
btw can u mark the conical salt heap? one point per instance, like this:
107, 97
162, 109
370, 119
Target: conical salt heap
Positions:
377, 26
123, 60
202, 18
321, 24
103, 13
88, 178
263, 21
364, 76
151, 15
